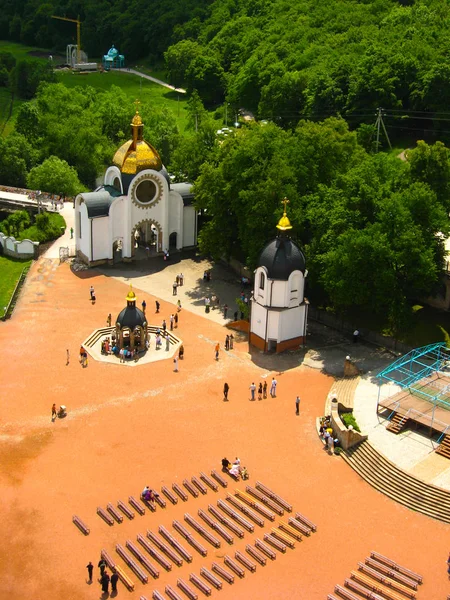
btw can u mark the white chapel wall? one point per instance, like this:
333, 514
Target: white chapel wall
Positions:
273, 326
176, 216
258, 320
189, 226
100, 233
292, 323
83, 227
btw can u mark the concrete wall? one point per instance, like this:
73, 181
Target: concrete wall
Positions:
189, 226
100, 234
258, 320
24, 249
346, 437
176, 221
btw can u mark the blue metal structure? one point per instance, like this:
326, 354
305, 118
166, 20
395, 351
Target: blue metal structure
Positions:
409, 370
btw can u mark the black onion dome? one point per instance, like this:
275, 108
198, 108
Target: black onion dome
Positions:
131, 317
281, 257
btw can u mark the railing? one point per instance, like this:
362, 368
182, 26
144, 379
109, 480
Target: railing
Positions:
396, 405
442, 434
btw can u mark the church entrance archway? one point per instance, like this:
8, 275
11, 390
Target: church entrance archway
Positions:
173, 241
146, 239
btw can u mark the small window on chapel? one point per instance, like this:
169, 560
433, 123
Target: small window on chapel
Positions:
262, 280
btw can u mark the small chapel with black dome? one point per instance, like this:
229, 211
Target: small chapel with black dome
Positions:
279, 310
137, 212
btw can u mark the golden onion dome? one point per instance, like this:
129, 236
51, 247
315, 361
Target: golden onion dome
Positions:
131, 296
136, 154
284, 224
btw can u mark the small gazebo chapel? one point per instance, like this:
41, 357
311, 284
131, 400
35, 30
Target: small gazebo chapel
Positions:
279, 310
131, 325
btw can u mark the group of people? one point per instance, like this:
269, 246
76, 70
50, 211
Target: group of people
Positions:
235, 469
262, 389
83, 357
149, 495
327, 434
105, 578
179, 281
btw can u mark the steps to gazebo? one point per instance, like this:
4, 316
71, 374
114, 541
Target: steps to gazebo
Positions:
397, 484
444, 448
397, 423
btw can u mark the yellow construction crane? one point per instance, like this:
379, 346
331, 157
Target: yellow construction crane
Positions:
78, 22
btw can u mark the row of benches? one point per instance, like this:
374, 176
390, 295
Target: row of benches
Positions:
379, 578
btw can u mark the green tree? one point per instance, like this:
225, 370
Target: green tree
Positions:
55, 176
430, 164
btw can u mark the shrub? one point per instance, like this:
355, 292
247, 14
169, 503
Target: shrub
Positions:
348, 419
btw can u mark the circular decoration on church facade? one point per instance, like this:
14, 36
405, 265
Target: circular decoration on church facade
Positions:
146, 191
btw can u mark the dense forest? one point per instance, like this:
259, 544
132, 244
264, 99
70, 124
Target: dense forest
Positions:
283, 60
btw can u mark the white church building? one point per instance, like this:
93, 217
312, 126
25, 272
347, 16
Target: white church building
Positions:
137, 212
279, 309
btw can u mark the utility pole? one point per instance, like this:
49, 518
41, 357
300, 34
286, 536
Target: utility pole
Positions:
378, 124
196, 122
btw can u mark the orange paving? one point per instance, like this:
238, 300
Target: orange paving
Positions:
148, 425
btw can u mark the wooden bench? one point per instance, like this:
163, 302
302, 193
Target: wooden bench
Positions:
282, 537
265, 548
189, 538
234, 515
232, 564
142, 559
268, 492
256, 554
124, 578
219, 478
346, 594
386, 580
175, 544
375, 586
258, 507
211, 578
273, 541
199, 485
164, 548
374, 564
150, 505
190, 488
173, 595
362, 590
215, 525
225, 521
155, 554
331, 597
131, 563
244, 560
202, 531
195, 579
190, 593
165, 490
136, 505
160, 501
302, 519
396, 567
105, 516
290, 530
229, 578
108, 559
155, 595
299, 526
81, 526
114, 513
209, 481
176, 488
248, 512
124, 508
265, 500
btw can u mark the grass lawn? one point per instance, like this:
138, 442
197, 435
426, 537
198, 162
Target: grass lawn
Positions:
10, 270
152, 93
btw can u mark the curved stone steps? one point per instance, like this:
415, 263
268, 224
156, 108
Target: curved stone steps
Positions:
344, 390
397, 484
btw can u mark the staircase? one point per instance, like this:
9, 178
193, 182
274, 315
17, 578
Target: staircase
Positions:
444, 448
397, 423
397, 484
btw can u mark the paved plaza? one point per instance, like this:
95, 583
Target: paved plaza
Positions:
127, 428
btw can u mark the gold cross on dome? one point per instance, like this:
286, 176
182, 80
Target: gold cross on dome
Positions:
285, 201
137, 102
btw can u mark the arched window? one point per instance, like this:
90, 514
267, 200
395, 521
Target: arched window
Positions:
262, 281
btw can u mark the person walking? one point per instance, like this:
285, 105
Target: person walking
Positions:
231, 341
178, 305
167, 342
144, 305
175, 364
225, 310
172, 319
108, 320
227, 342
260, 391
265, 390
297, 405
226, 388
216, 350
252, 391
175, 318
273, 387
53, 412
174, 288
157, 304
448, 566
114, 580
102, 566
235, 315
92, 293
164, 326
181, 279
90, 568
67, 357
355, 336
105, 582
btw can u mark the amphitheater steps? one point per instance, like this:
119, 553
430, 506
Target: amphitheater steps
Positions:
344, 390
397, 484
